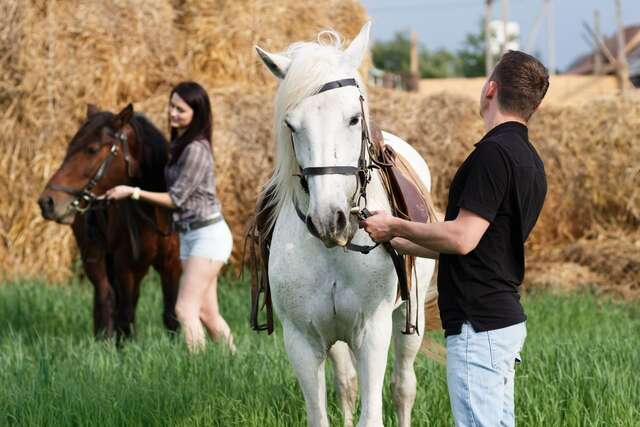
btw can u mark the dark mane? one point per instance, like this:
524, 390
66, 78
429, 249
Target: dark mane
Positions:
154, 153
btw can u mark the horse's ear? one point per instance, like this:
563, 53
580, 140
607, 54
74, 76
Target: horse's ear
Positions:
277, 64
358, 47
123, 117
92, 110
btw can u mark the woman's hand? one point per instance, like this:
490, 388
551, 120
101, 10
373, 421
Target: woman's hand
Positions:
119, 192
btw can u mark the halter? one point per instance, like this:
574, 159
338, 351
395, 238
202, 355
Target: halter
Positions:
362, 172
84, 198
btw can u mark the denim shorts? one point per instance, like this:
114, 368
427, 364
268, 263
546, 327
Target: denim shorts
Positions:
213, 242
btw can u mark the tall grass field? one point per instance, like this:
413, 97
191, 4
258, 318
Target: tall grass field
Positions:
581, 367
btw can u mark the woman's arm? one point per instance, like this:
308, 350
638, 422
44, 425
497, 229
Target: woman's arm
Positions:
125, 191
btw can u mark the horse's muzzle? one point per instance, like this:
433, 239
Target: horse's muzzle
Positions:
50, 211
336, 229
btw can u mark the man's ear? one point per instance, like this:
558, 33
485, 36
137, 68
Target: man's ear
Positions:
492, 89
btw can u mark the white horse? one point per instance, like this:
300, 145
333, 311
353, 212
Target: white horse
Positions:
332, 301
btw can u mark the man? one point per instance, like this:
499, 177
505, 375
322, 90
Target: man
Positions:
494, 201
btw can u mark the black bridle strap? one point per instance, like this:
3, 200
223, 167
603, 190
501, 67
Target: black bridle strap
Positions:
338, 84
330, 170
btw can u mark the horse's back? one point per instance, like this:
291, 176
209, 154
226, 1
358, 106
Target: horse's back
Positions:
411, 155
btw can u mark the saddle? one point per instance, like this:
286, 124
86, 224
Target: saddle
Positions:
409, 199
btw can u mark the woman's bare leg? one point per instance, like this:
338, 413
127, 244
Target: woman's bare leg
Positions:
196, 276
210, 312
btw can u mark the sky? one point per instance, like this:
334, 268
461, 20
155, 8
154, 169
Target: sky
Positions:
444, 23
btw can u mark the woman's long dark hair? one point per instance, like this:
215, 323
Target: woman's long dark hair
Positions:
201, 124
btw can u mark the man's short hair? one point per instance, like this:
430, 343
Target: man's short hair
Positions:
522, 83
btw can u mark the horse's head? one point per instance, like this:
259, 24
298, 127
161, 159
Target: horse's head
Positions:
320, 131
99, 156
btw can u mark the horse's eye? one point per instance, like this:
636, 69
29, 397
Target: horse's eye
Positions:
93, 149
354, 120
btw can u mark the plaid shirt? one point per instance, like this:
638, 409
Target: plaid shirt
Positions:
192, 184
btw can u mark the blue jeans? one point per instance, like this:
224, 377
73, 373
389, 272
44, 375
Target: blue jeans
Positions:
480, 375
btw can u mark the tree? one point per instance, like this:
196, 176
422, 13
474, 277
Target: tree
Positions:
471, 57
393, 55
438, 64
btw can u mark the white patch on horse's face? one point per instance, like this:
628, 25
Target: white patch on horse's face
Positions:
328, 132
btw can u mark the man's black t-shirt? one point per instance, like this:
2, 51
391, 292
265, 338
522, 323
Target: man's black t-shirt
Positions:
503, 181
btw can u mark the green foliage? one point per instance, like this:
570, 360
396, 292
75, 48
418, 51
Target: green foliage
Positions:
472, 56
393, 55
580, 367
469, 61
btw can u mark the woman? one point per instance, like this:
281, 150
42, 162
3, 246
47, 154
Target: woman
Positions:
205, 238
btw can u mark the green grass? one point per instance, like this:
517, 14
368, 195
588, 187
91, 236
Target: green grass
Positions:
581, 367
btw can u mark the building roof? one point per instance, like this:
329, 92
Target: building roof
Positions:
584, 64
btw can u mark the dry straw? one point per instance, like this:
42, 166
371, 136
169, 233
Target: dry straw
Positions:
58, 55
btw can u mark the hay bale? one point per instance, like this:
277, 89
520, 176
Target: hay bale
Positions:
221, 34
56, 56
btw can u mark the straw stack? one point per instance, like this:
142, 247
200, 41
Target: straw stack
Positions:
56, 56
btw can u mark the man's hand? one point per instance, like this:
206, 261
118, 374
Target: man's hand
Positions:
379, 226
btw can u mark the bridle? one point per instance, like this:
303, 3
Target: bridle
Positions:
85, 198
362, 171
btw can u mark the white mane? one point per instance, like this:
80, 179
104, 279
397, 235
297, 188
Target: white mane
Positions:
311, 64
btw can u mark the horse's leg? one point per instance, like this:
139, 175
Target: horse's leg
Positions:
345, 379
307, 359
403, 379
371, 358
103, 297
95, 266
168, 265
128, 277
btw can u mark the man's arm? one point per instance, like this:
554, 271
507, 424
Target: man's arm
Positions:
406, 247
459, 236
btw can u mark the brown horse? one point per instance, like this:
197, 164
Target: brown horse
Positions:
120, 240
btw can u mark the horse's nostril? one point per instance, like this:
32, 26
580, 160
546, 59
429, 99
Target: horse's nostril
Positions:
341, 221
46, 204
